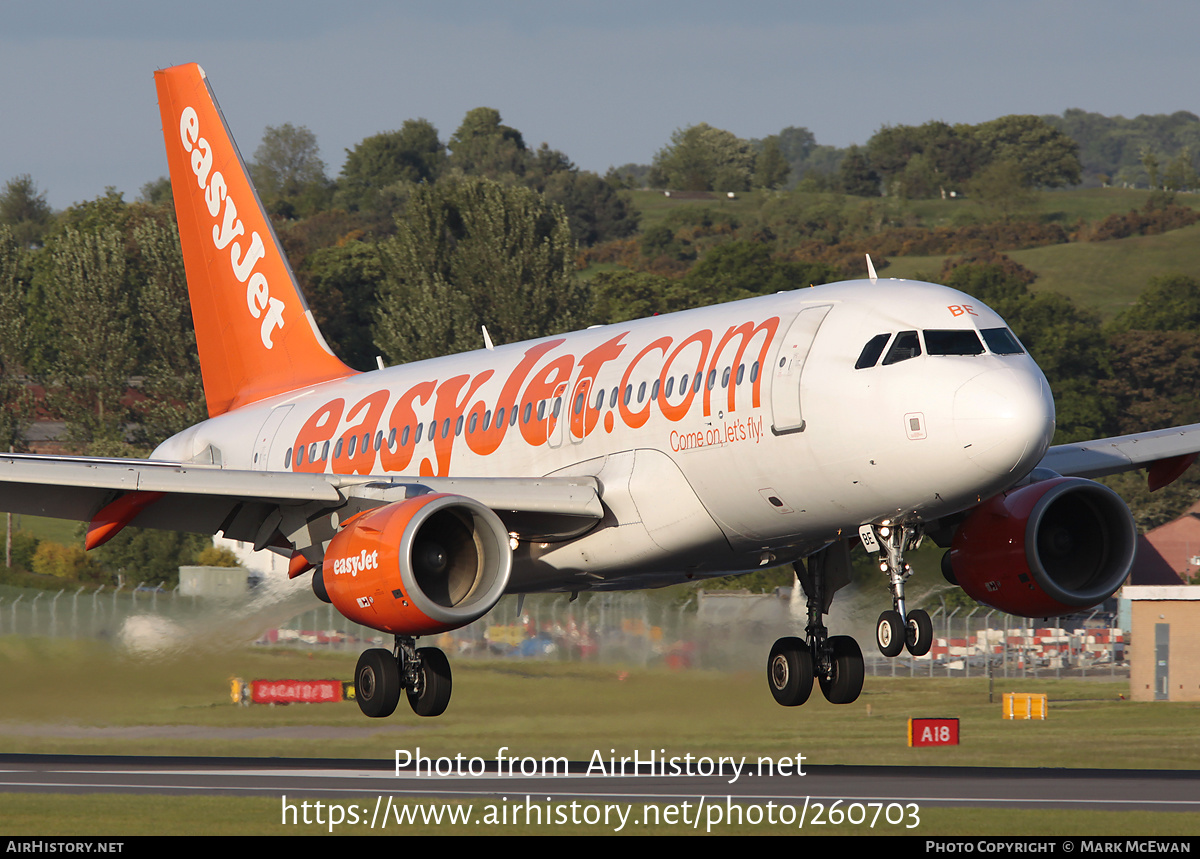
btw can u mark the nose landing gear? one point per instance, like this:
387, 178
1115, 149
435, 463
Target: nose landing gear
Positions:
898, 628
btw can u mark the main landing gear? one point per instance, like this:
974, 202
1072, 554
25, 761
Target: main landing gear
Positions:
897, 629
424, 674
835, 662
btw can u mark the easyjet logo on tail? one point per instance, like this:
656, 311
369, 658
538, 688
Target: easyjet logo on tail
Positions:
228, 230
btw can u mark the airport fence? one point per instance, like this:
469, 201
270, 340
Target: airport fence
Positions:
677, 628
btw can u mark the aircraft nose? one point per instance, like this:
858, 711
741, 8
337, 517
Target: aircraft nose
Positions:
1004, 419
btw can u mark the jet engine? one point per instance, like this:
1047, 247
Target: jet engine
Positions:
425, 565
1046, 549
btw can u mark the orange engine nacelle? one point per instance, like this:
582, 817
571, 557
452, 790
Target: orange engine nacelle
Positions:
1046, 549
415, 567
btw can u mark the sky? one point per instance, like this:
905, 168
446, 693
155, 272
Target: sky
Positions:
605, 82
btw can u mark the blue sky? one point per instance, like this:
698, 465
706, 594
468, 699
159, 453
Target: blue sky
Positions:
606, 83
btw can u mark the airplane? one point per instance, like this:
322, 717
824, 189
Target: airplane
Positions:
783, 429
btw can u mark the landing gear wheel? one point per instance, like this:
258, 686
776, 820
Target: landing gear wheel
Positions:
845, 680
431, 694
889, 633
377, 683
918, 632
790, 672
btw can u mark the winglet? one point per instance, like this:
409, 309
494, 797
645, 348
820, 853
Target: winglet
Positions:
871, 270
254, 331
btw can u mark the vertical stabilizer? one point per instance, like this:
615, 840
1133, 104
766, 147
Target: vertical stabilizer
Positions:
254, 331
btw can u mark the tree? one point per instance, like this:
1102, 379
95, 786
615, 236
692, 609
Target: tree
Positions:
703, 158
87, 300
1180, 175
618, 296
483, 146
24, 210
1159, 377
797, 144
1000, 188
596, 211
288, 172
1046, 156
771, 168
472, 252
157, 192
412, 154
149, 555
171, 365
16, 404
929, 160
341, 284
1150, 162
856, 175
1168, 303
741, 269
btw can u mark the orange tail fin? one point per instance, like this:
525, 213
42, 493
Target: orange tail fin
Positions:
254, 331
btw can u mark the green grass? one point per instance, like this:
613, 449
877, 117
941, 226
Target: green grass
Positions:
1105, 276
655, 205
83, 698
65, 531
567, 709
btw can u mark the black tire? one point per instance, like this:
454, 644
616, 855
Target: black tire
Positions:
432, 694
377, 683
889, 633
918, 632
790, 672
846, 682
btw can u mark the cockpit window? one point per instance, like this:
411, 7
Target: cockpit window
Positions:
906, 345
1002, 341
960, 341
872, 351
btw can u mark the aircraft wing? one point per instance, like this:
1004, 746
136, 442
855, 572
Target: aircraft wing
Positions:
1166, 453
250, 505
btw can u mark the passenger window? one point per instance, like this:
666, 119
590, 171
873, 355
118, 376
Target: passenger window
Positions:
1002, 341
869, 356
906, 345
958, 341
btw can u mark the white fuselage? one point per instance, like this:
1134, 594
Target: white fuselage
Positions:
782, 445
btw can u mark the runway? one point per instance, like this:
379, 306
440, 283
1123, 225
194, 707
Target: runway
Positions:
366, 780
